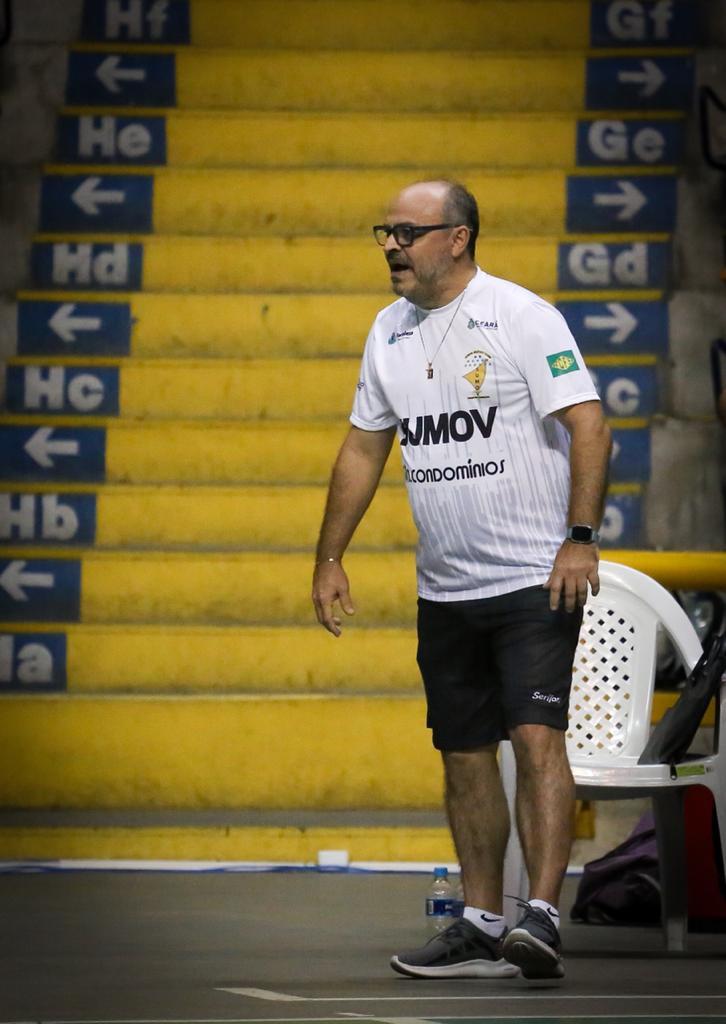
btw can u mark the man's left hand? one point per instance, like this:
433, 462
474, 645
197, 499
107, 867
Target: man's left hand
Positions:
575, 566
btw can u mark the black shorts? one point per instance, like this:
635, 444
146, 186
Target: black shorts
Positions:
492, 664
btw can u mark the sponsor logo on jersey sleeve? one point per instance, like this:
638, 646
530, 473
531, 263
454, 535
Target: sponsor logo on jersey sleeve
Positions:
562, 362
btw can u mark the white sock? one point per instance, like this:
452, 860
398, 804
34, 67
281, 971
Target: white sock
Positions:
485, 921
552, 911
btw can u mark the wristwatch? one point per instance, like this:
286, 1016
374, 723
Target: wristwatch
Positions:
579, 533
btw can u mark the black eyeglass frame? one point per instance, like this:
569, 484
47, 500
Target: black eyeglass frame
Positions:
410, 232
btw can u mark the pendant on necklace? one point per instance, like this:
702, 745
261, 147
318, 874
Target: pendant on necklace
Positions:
430, 373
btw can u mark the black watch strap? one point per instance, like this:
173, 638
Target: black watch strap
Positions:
581, 533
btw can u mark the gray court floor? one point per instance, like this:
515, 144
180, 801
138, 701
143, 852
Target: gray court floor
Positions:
89, 946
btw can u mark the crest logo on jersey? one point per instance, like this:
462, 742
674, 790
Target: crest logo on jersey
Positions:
562, 362
476, 363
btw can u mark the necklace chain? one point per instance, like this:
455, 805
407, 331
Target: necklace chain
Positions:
430, 362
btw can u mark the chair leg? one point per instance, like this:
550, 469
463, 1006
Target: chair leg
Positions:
670, 835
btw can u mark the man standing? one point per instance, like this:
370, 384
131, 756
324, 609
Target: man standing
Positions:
505, 454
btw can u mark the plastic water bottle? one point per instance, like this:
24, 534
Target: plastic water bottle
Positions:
440, 902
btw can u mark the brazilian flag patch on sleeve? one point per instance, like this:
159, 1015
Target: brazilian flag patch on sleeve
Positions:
562, 362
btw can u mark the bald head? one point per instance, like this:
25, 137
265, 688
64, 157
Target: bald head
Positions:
451, 201
438, 262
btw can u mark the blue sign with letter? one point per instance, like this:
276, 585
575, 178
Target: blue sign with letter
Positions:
103, 79
100, 266
112, 202
136, 21
618, 327
111, 139
639, 83
52, 453
610, 141
622, 521
32, 662
630, 461
63, 390
28, 517
596, 266
626, 390
598, 203
40, 590
73, 328
644, 23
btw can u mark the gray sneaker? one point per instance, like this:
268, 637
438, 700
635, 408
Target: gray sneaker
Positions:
461, 951
534, 945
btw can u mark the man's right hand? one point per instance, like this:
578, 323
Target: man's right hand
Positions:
330, 584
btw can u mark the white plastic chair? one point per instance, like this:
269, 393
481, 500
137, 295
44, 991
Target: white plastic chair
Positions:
610, 714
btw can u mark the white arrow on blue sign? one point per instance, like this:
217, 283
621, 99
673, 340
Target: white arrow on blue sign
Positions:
50, 453
121, 79
112, 202
618, 327
73, 328
645, 83
40, 590
643, 203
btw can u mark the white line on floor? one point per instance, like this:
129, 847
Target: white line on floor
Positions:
509, 996
404, 1020
264, 993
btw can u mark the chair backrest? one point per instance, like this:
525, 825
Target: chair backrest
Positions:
615, 662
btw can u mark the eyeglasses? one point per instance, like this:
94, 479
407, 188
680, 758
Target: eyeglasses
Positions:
405, 234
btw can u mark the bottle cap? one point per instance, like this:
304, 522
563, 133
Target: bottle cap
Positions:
441, 872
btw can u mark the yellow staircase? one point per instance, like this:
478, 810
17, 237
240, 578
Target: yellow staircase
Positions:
204, 278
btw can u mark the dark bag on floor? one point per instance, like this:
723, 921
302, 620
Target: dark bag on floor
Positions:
673, 735
622, 887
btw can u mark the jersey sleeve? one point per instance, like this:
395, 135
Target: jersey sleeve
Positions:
550, 360
371, 410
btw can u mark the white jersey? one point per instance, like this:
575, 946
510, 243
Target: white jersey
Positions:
486, 466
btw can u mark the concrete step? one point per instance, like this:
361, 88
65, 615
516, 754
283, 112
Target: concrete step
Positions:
174, 263
168, 516
236, 588
269, 325
344, 202
352, 753
216, 451
310, 752
305, 752
346, 80
216, 660
197, 835
277, 139
202, 587
233, 836
266, 389
318, 24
